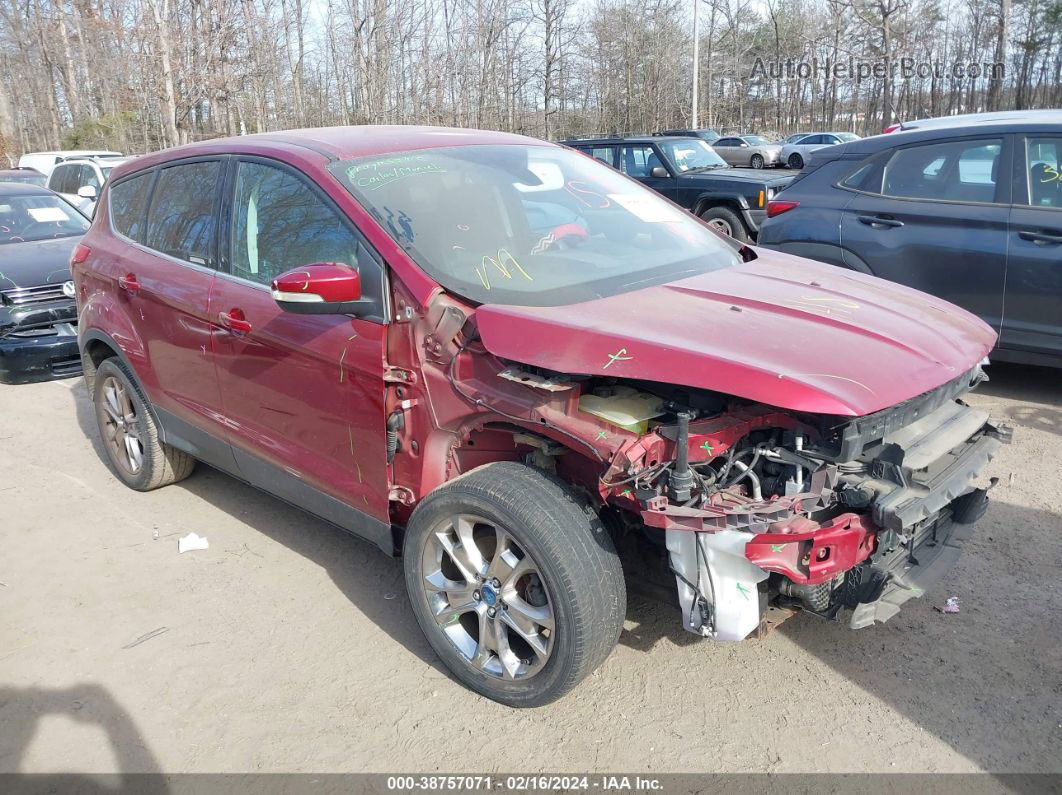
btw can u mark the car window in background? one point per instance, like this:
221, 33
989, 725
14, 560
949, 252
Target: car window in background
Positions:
1045, 171
181, 220
756, 140
954, 171
531, 225
691, 154
128, 204
37, 217
847, 137
279, 223
24, 178
603, 153
638, 161
89, 177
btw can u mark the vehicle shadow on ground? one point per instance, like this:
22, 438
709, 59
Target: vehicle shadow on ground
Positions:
22, 711
367, 577
1038, 385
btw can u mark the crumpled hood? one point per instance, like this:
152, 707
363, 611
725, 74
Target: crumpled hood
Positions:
779, 330
36, 262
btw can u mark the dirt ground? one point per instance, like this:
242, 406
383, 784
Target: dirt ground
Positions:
288, 646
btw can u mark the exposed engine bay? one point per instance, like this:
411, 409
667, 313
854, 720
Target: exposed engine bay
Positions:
747, 507
758, 506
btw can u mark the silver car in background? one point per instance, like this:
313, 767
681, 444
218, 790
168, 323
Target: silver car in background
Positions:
754, 151
795, 153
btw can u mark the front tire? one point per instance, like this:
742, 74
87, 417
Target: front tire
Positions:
727, 222
796, 161
130, 438
514, 582
756, 161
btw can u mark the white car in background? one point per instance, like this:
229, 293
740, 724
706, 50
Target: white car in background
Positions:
795, 153
44, 162
81, 181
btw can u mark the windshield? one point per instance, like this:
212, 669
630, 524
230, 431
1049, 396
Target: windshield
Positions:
38, 217
25, 178
690, 154
756, 140
530, 225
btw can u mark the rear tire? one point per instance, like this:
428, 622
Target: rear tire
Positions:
514, 582
756, 161
796, 161
129, 434
727, 221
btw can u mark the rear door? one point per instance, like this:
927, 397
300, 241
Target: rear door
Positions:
162, 277
730, 150
934, 216
303, 394
1032, 320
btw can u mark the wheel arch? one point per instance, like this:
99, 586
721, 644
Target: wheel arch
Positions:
96, 347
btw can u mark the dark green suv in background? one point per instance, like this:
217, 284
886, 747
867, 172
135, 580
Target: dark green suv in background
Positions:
689, 172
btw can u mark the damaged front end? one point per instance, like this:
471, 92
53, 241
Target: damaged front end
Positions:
761, 508
38, 334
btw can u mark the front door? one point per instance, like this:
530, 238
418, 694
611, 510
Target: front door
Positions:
935, 218
1032, 320
302, 394
639, 160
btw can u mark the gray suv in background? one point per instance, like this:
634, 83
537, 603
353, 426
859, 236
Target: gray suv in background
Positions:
970, 213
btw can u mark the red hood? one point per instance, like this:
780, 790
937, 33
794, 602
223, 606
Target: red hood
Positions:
779, 330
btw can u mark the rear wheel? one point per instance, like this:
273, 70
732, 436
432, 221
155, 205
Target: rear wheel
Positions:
756, 161
130, 437
514, 582
726, 221
796, 161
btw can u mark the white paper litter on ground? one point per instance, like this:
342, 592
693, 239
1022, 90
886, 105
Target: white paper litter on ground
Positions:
192, 542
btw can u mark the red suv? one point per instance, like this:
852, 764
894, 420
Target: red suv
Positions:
532, 378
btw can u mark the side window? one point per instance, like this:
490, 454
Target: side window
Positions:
280, 223
830, 140
128, 203
638, 161
182, 220
602, 153
724, 142
1044, 170
811, 140
89, 177
954, 171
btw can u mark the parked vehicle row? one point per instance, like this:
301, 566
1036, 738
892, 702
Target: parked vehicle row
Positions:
535, 380
969, 210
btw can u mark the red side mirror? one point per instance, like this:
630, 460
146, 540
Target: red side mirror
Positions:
327, 288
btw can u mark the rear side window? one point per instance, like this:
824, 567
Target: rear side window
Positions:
1045, 171
279, 223
182, 218
964, 171
129, 200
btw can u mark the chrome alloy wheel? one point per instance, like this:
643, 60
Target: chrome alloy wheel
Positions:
488, 597
122, 432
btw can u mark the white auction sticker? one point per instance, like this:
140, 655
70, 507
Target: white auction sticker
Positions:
47, 214
646, 208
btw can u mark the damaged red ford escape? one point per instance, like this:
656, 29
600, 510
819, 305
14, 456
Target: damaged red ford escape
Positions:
537, 381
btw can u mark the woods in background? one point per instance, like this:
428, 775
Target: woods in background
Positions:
139, 75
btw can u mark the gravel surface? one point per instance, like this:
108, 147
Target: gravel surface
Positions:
289, 646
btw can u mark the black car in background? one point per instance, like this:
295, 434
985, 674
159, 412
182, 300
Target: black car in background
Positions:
970, 212
38, 233
690, 173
